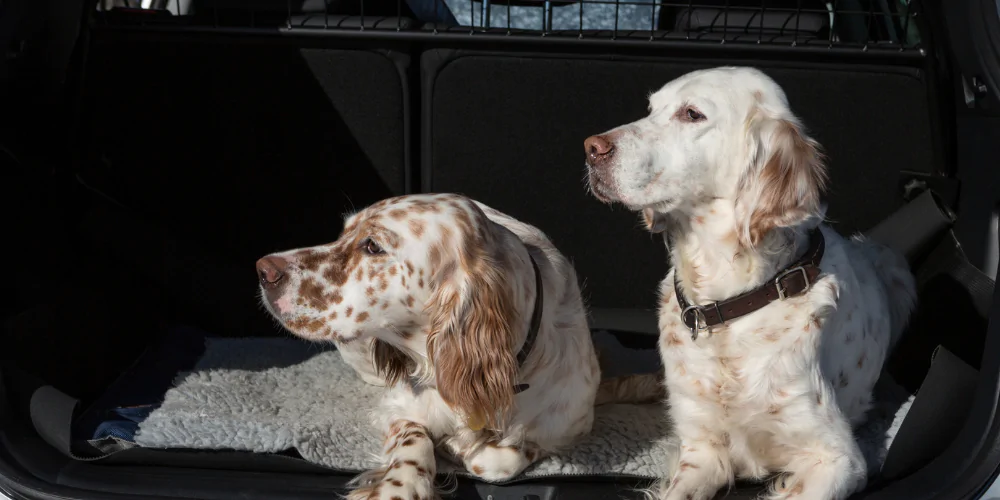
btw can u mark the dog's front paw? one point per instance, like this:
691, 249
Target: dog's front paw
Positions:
679, 489
403, 480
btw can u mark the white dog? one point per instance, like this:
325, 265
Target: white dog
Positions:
773, 328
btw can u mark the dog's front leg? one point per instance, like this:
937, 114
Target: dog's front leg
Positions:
703, 464
824, 461
409, 468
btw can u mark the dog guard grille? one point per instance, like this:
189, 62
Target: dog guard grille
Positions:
868, 25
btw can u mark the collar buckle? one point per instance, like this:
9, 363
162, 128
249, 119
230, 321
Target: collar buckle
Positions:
782, 291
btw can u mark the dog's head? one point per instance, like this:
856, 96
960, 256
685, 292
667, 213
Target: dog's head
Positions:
724, 133
422, 275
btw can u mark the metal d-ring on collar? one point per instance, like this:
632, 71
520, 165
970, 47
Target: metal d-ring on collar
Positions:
698, 325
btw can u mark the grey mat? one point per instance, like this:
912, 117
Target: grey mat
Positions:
272, 395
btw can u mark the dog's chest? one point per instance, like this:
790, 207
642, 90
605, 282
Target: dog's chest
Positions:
746, 365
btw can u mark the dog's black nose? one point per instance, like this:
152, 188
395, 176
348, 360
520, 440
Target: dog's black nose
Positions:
599, 150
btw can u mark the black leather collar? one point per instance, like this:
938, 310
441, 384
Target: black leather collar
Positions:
536, 322
790, 282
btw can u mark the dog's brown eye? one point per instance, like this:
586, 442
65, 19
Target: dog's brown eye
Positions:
371, 247
693, 115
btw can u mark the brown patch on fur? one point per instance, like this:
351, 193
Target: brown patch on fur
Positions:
360, 275
673, 340
774, 409
699, 387
787, 187
336, 297
477, 470
796, 490
397, 213
409, 301
409, 268
348, 312
861, 360
312, 292
417, 227
372, 301
333, 315
819, 398
434, 257
391, 239
384, 306
361, 317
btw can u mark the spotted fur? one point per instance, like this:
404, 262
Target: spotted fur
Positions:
432, 296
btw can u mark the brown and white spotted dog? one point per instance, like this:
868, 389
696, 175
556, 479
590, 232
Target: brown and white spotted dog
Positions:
437, 297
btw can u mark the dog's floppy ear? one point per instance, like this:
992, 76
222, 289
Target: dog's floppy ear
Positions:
654, 221
471, 339
785, 178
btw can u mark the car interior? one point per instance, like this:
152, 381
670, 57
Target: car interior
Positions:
153, 150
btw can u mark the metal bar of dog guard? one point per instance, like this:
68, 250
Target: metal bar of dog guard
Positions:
614, 34
833, 20
868, 25
508, 17
906, 24
652, 18
472, 17
760, 21
687, 31
725, 21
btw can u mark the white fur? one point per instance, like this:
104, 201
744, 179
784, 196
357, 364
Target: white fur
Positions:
779, 390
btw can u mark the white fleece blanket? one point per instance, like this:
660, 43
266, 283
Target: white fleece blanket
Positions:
272, 395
